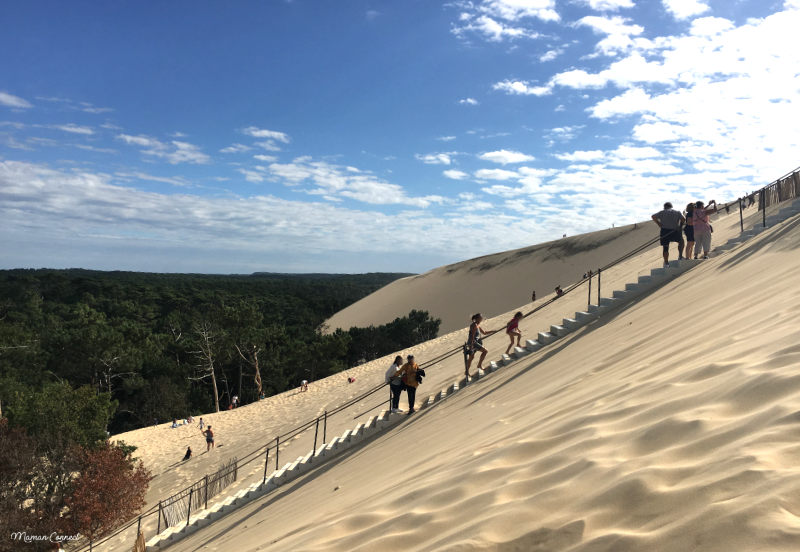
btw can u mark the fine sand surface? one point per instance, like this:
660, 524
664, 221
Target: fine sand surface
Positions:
668, 425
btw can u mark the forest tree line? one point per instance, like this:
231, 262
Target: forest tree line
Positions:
156, 345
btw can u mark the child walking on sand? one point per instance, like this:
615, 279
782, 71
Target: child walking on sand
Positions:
512, 330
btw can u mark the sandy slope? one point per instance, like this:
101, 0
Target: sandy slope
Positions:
496, 451
497, 283
672, 425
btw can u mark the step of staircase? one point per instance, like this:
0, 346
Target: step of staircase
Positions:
532, 345
546, 338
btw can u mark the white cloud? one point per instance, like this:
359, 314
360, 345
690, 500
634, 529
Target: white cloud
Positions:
138, 175
435, 158
581, 156
334, 182
495, 174
514, 10
506, 157
493, 30
75, 129
9, 100
265, 158
86, 107
710, 26
253, 176
455, 175
550, 55
269, 145
468, 101
618, 31
256, 132
522, 88
631, 101
653, 133
498, 20
236, 148
578, 78
446, 138
608, 5
173, 152
684, 9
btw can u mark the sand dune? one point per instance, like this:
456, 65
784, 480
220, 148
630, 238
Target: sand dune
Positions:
670, 425
495, 284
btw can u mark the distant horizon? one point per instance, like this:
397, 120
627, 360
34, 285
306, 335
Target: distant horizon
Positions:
316, 137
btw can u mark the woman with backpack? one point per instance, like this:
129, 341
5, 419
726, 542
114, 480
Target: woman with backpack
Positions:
411, 375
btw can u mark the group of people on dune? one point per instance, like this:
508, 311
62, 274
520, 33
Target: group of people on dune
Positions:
693, 222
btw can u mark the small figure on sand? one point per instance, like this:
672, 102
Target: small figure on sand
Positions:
410, 374
304, 385
395, 382
512, 330
209, 438
474, 344
533, 296
351, 379
559, 291
188, 453
201, 424
670, 221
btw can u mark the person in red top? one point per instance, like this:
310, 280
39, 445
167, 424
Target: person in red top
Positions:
512, 330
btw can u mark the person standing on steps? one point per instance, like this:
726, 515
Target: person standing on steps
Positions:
512, 330
702, 227
689, 231
395, 382
474, 344
670, 222
408, 373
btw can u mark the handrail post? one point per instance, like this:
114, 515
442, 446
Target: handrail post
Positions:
158, 530
796, 178
189, 510
763, 207
266, 463
316, 432
277, 450
325, 428
741, 217
206, 493
139, 527
589, 301
599, 270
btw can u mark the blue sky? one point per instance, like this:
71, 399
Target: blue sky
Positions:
367, 135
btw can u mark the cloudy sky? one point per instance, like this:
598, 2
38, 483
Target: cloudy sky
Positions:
371, 135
